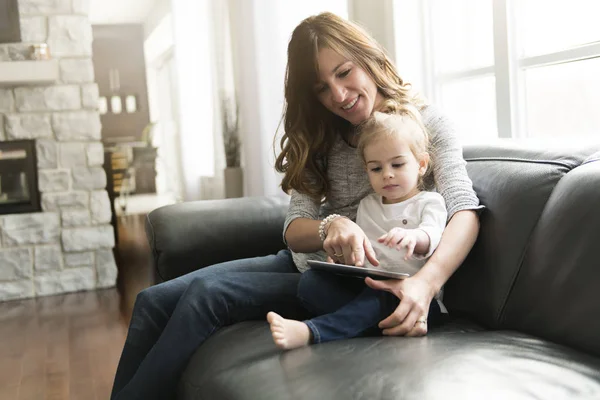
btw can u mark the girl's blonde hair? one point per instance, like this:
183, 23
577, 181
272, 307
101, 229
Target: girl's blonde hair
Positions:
403, 121
309, 128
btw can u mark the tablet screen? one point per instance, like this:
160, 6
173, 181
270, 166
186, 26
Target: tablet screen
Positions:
374, 273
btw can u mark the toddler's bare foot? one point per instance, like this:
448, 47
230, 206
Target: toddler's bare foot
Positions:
288, 333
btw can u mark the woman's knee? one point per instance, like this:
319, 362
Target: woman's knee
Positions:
159, 301
148, 313
206, 285
218, 299
146, 299
212, 291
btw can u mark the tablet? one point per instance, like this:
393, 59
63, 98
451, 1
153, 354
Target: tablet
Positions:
375, 273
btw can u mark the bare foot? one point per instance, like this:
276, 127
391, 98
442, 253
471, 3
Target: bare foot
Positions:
288, 333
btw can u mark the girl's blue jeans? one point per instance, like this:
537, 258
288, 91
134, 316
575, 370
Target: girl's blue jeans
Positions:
358, 308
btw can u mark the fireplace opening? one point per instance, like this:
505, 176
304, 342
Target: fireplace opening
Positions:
18, 177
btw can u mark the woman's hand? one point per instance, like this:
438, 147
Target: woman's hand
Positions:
415, 296
347, 243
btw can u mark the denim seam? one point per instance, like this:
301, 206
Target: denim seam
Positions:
315, 332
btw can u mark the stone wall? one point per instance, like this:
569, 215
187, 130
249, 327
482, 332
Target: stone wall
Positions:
68, 246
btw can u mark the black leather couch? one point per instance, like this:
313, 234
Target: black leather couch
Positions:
525, 305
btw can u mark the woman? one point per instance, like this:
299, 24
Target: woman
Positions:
337, 76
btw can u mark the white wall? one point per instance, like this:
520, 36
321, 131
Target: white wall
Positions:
155, 16
377, 17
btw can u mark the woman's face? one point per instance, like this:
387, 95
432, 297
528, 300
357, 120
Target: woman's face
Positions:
346, 89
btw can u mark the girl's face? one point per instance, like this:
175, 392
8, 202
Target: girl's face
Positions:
346, 89
393, 169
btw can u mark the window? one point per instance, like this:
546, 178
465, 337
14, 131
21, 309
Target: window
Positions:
558, 56
512, 68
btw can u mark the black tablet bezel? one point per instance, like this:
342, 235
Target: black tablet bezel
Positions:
356, 271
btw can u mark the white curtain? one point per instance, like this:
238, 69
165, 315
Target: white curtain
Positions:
196, 92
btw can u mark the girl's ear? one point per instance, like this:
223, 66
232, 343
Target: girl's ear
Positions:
423, 163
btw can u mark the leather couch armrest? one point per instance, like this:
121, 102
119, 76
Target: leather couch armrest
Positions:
188, 236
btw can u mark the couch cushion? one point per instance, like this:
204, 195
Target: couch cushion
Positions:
187, 236
514, 184
241, 362
555, 295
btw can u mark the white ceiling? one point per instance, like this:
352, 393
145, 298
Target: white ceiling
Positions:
120, 11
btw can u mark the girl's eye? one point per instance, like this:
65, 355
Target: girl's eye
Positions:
376, 169
397, 165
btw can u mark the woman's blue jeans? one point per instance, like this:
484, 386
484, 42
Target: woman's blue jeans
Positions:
172, 319
346, 307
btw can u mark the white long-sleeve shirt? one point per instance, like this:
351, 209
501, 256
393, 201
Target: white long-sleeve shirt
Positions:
425, 211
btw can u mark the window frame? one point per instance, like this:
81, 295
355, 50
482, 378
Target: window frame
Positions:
508, 68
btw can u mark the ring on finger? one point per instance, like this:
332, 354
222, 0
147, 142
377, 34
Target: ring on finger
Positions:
422, 320
338, 255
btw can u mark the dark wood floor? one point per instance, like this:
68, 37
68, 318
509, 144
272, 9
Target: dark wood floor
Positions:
67, 346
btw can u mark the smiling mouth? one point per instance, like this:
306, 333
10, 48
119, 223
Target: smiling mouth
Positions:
350, 105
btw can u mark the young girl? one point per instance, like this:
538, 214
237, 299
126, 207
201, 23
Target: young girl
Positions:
403, 223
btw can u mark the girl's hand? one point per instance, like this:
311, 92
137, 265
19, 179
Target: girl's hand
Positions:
347, 243
415, 296
401, 238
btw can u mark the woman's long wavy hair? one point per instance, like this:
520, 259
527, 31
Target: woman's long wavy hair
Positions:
309, 128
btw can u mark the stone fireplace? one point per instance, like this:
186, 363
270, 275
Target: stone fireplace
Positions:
67, 245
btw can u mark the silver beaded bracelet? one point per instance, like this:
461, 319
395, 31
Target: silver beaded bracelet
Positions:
324, 223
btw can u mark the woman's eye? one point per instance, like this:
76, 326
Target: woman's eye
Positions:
320, 89
344, 73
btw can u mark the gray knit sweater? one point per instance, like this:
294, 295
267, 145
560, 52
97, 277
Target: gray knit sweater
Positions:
349, 181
